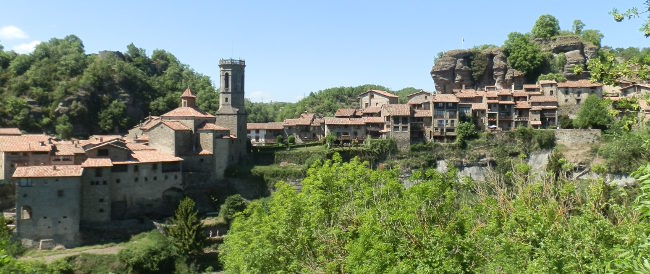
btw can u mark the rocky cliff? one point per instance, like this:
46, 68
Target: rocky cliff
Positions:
454, 69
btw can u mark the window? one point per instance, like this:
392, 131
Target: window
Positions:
372, 96
119, 168
59, 193
396, 128
25, 213
226, 99
577, 101
566, 92
405, 120
146, 179
366, 104
405, 128
117, 181
257, 131
551, 93
136, 179
101, 210
102, 152
226, 80
155, 178
135, 168
395, 120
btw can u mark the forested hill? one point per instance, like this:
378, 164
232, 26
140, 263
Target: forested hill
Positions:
324, 102
61, 89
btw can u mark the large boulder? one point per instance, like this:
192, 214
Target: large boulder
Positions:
574, 58
443, 73
590, 51
499, 70
463, 73
566, 44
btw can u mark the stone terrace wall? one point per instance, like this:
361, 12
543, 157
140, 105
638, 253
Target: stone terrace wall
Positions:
573, 137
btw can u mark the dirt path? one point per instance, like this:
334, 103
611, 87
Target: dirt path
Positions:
64, 254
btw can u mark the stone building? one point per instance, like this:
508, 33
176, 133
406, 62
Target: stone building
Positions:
232, 113
265, 133
574, 93
306, 128
376, 98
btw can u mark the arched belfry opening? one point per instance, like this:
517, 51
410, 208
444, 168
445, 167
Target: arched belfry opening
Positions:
226, 79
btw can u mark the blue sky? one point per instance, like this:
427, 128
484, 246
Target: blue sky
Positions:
294, 47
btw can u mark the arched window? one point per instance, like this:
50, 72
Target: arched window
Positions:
25, 213
226, 79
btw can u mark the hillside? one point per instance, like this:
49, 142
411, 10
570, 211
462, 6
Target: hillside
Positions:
59, 88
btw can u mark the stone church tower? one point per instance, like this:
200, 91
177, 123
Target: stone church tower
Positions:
232, 113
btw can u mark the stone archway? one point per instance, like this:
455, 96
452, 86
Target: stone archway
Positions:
171, 197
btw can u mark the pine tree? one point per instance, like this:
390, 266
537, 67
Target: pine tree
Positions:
185, 231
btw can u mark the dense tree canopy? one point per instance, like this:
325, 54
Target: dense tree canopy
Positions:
546, 27
523, 55
594, 114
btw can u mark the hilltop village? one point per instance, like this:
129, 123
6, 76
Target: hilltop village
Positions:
114, 177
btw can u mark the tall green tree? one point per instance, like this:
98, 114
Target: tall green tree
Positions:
113, 117
546, 27
523, 55
594, 114
64, 129
592, 36
578, 26
186, 229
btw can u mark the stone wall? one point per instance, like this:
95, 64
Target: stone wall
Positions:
163, 139
55, 209
95, 195
574, 137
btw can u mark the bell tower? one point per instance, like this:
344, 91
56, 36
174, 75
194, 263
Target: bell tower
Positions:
232, 113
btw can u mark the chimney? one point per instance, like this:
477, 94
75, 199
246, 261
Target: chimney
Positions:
101, 139
42, 143
463, 87
53, 167
513, 87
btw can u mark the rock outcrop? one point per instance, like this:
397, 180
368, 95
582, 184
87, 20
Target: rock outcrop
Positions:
453, 70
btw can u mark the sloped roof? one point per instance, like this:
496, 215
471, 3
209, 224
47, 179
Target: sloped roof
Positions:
48, 171
380, 92
531, 86
187, 112
10, 131
397, 110
520, 93
153, 156
542, 99
97, 162
578, 84
136, 147
212, 127
522, 105
187, 93
479, 106
347, 112
266, 126
417, 92
25, 143
67, 149
445, 98
344, 121
547, 82
176, 126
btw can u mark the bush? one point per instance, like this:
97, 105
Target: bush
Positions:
558, 77
466, 131
546, 27
565, 122
233, 204
149, 252
291, 140
594, 114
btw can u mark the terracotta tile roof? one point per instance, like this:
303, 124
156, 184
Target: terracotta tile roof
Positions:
136, 147
381, 92
187, 112
417, 101
25, 143
346, 112
67, 149
187, 93
176, 125
397, 110
422, 113
265, 126
344, 121
578, 84
547, 82
491, 94
504, 92
143, 137
445, 98
10, 131
542, 99
479, 106
317, 122
212, 127
306, 119
519, 93
469, 94
536, 123
48, 171
153, 156
97, 162
416, 93
522, 104
531, 86
373, 120
492, 101
150, 123
372, 110
506, 102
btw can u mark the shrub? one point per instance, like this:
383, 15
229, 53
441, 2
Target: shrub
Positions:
594, 114
291, 140
565, 122
233, 204
149, 252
